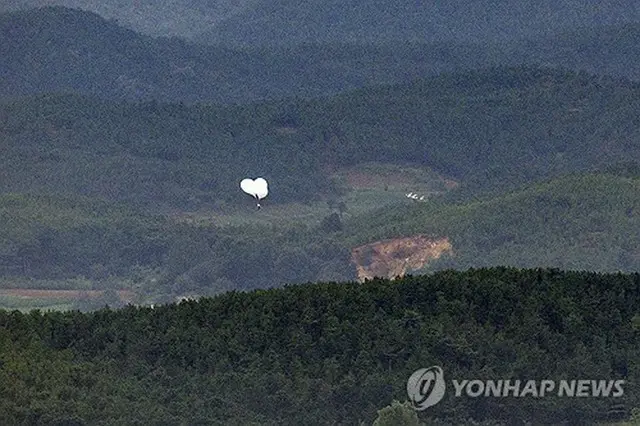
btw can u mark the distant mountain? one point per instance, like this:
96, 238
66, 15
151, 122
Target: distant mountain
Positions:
251, 22
606, 50
183, 18
383, 21
64, 50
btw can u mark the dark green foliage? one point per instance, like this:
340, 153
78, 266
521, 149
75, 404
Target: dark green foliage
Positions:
329, 353
52, 237
152, 153
55, 49
331, 223
491, 129
325, 353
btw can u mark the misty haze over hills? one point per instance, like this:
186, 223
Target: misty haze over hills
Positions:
435, 21
161, 18
251, 22
60, 49
57, 49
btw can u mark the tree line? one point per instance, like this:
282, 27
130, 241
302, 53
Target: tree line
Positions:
329, 352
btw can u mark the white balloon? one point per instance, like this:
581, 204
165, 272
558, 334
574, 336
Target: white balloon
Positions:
261, 188
256, 188
247, 186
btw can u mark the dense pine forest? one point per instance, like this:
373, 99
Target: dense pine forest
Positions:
329, 353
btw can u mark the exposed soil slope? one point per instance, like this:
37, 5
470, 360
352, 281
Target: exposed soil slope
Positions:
396, 257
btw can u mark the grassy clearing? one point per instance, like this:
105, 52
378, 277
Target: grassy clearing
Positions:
24, 304
25, 299
77, 283
366, 187
54, 307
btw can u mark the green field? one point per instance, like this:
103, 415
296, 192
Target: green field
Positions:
364, 188
26, 304
84, 230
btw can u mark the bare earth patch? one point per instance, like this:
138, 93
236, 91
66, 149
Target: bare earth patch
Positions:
395, 257
393, 177
363, 180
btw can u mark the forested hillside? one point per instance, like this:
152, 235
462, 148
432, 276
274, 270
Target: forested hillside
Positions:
331, 353
604, 50
493, 127
580, 222
84, 244
180, 225
56, 49
489, 129
64, 50
170, 18
163, 154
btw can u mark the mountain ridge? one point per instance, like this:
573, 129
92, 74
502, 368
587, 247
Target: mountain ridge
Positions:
433, 20
56, 49
59, 49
